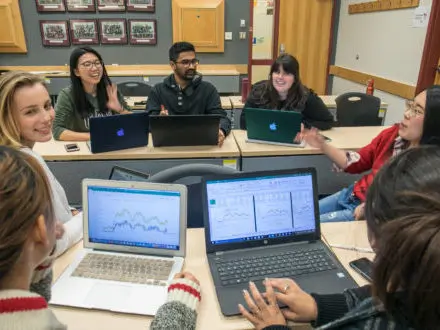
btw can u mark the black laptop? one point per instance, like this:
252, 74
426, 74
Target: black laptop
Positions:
266, 224
118, 132
184, 130
120, 173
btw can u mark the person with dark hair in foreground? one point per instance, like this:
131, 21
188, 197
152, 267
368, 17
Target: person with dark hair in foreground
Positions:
403, 219
184, 92
285, 91
91, 94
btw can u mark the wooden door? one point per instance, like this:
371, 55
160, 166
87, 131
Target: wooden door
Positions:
437, 75
305, 32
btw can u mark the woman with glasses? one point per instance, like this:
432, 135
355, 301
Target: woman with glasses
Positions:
420, 126
91, 94
285, 91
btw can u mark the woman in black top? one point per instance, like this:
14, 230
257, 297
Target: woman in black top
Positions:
402, 212
284, 91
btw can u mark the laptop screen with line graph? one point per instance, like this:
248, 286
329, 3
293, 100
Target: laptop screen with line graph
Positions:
256, 208
134, 217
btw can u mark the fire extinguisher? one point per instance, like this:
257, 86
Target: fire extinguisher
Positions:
370, 87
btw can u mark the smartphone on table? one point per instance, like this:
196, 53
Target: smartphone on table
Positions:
364, 267
71, 147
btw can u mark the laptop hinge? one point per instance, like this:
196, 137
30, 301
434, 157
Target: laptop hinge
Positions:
218, 253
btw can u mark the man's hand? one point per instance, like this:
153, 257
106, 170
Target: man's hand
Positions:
163, 111
221, 137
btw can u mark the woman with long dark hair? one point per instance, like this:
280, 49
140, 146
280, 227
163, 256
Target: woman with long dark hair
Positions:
403, 221
285, 91
91, 94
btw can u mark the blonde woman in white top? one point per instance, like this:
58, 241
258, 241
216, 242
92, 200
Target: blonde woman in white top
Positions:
26, 117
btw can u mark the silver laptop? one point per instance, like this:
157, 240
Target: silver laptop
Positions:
134, 240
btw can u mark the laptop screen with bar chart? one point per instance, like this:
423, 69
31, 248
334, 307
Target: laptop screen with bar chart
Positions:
133, 217
260, 207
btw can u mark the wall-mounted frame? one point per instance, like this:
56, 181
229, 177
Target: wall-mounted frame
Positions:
83, 32
54, 33
141, 5
142, 31
81, 5
111, 5
113, 31
50, 5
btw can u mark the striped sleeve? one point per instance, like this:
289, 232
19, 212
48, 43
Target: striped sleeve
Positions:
180, 310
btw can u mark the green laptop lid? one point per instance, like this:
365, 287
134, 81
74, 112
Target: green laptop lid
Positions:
272, 125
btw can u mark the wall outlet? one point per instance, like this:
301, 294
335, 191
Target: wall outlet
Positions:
228, 35
242, 35
242, 23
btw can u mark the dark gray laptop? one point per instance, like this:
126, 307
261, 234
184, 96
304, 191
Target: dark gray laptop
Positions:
266, 224
118, 132
120, 173
184, 130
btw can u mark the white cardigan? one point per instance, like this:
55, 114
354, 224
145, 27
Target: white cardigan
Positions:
73, 225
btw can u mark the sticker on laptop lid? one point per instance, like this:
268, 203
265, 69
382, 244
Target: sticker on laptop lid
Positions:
340, 275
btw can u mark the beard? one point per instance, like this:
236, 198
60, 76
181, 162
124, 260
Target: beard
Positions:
187, 75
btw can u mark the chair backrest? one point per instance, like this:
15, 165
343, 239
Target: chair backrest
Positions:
358, 109
173, 174
134, 88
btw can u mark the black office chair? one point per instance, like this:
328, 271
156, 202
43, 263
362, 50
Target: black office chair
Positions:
358, 109
173, 174
134, 88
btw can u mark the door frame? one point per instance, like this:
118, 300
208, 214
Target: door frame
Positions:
431, 50
265, 62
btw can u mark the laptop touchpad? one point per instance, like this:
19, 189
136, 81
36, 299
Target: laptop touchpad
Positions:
107, 296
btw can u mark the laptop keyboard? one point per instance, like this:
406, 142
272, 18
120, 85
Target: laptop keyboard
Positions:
285, 264
124, 269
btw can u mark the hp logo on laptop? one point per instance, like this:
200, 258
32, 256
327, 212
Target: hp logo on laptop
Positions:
273, 126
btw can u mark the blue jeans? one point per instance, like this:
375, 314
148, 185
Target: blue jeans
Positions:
339, 206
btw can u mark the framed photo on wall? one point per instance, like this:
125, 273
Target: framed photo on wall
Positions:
111, 5
141, 5
142, 31
50, 5
54, 33
81, 5
113, 31
83, 31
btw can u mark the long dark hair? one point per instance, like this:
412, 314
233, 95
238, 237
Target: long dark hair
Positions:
403, 217
82, 105
297, 94
431, 123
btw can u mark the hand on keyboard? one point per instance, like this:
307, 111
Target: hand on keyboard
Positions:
301, 306
262, 314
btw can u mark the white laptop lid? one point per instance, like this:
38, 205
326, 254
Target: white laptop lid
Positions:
136, 217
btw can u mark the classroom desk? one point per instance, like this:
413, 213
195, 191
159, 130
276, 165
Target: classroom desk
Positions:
71, 167
259, 156
329, 101
196, 262
132, 100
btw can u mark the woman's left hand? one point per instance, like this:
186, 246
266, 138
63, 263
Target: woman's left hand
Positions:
113, 102
262, 314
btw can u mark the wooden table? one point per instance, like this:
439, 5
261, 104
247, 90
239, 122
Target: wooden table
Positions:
210, 316
71, 167
260, 156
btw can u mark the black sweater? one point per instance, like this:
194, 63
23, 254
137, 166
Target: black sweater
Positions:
199, 97
315, 112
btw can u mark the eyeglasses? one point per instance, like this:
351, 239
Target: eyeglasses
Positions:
187, 63
89, 64
413, 110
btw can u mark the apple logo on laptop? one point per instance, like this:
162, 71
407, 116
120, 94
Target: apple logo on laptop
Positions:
120, 132
273, 126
